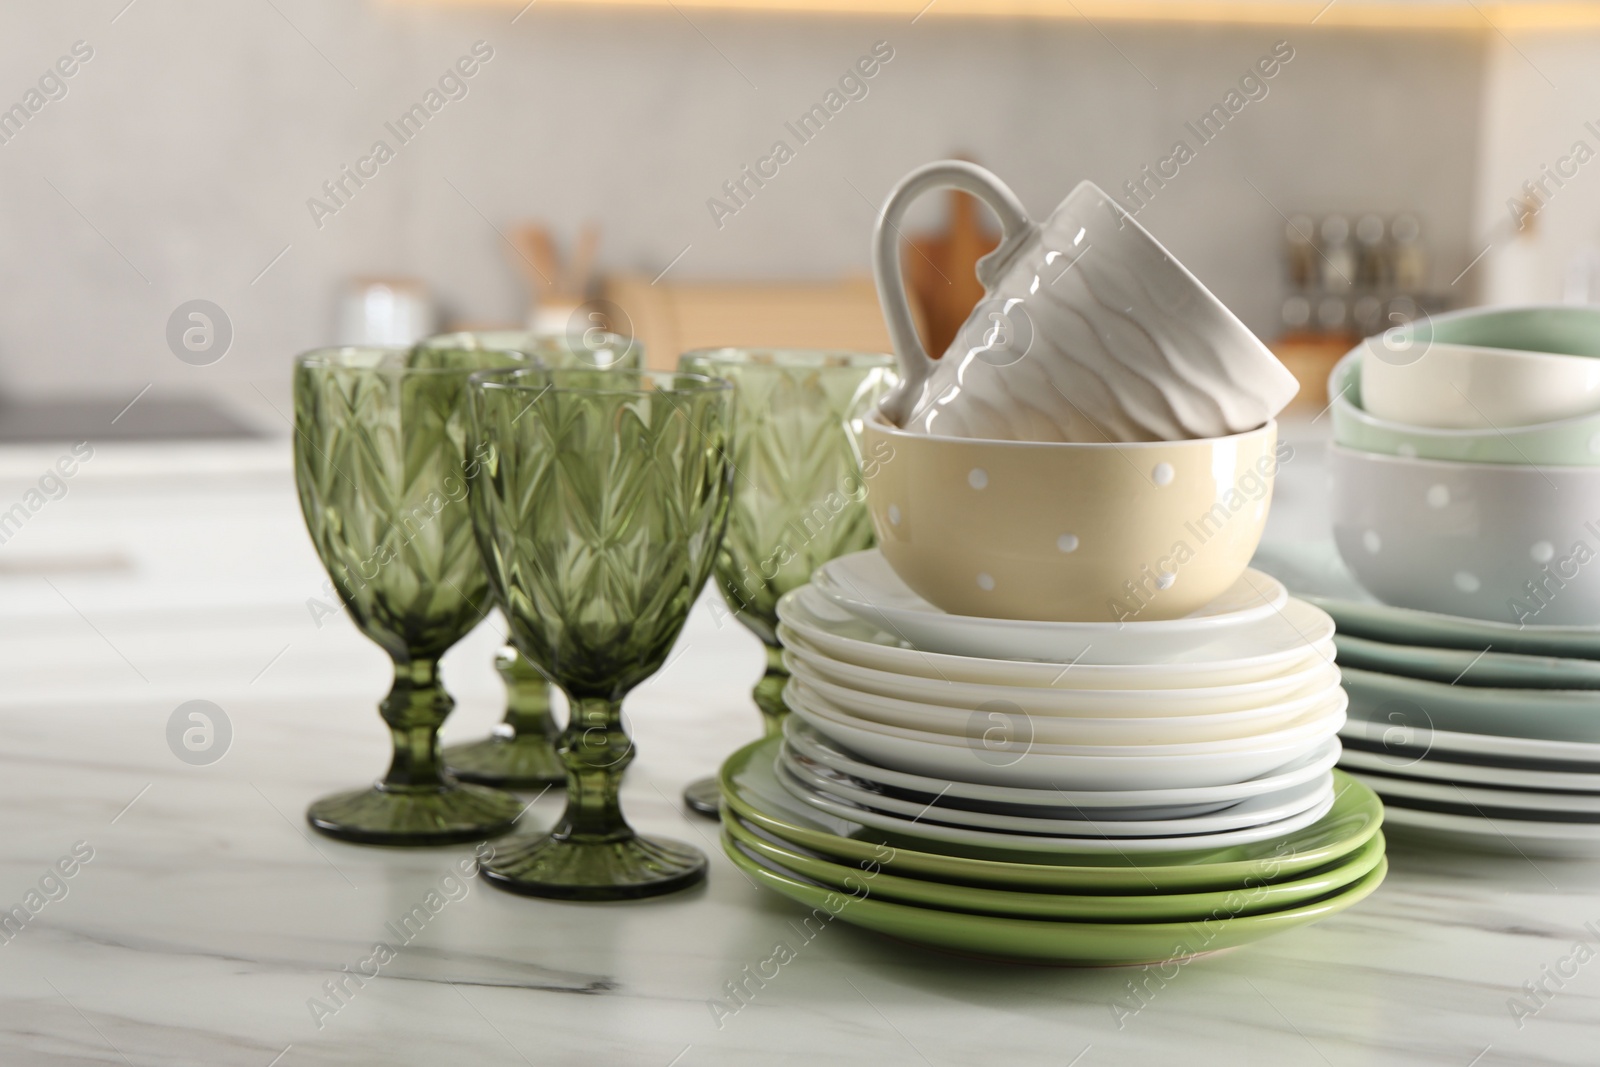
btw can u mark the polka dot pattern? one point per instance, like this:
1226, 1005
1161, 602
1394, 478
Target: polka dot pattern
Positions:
986, 583
1467, 582
1067, 542
1542, 552
1163, 474
1438, 496
894, 514
978, 478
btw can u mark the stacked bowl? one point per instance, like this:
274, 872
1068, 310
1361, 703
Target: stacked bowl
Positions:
960, 768
1466, 467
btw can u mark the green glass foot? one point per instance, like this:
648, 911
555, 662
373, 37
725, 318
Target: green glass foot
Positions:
508, 762
628, 869
433, 815
703, 796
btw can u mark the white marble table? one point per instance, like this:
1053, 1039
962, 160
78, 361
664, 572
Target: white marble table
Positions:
209, 916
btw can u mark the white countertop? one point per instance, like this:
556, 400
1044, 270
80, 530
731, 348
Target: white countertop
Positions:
210, 915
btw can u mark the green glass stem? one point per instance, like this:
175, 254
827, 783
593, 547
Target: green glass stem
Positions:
704, 795
768, 692
596, 750
415, 708
592, 853
527, 698
520, 753
417, 802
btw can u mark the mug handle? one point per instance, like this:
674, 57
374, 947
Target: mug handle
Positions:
915, 365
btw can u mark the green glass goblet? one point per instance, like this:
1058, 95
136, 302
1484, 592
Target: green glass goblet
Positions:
599, 506
381, 468
798, 495
520, 753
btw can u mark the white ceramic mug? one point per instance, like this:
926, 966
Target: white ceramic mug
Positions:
1088, 331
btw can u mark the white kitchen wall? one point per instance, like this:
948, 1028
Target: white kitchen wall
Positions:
180, 161
1542, 99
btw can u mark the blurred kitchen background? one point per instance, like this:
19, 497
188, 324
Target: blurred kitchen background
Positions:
179, 163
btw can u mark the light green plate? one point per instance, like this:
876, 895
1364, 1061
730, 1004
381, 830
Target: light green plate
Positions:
750, 789
1044, 941
1460, 666
1412, 627
1145, 907
1542, 714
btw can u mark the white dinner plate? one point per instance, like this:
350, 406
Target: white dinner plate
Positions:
1157, 803
924, 830
1532, 801
1437, 767
1306, 641
1251, 612
1000, 762
1270, 807
1108, 703
993, 710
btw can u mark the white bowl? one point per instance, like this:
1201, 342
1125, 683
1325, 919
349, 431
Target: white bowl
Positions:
1075, 703
1514, 544
1226, 660
1464, 387
1004, 760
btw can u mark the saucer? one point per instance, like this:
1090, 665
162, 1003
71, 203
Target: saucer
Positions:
1308, 639
996, 710
1051, 701
863, 583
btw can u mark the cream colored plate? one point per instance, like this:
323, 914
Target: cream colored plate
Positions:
1305, 640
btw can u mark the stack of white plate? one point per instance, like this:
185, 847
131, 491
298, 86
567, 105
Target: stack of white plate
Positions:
1215, 729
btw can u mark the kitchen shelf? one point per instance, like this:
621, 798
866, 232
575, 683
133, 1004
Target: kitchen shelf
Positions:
1437, 14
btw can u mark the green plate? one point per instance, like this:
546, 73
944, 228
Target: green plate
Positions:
1145, 907
750, 789
1409, 626
1460, 666
1542, 714
1042, 941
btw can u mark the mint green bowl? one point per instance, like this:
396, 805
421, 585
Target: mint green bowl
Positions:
1568, 443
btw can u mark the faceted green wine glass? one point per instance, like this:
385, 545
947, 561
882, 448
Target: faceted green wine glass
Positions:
382, 468
797, 489
599, 506
521, 752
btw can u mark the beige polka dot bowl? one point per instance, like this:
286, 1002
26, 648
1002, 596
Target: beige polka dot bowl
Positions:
1139, 531
1507, 542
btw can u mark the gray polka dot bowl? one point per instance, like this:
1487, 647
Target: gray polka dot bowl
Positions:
1573, 442
1068, 531
1511, 543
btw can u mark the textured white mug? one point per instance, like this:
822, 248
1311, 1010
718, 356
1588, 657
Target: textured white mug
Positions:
1088, 330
